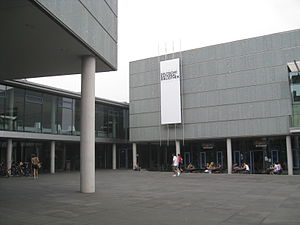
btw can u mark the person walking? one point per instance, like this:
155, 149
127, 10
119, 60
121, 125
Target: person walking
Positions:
175, 166
180, 161
35, 165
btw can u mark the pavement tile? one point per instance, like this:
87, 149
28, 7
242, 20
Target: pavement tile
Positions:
151, 198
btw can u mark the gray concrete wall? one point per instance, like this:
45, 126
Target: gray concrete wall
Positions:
234, 89
93, 22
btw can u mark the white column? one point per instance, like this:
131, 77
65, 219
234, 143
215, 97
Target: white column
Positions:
9, 154
87, 124
134, 161
177, 147
52, 165
289, 155
229, 156
114, 156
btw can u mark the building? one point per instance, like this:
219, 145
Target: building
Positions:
46, 38
239, 103
41, 120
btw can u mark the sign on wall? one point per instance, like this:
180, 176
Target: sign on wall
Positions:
170, 102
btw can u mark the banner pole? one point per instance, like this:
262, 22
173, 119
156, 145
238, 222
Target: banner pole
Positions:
158, 60
182, 92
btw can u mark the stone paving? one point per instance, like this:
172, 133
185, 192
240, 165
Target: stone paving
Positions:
150, 198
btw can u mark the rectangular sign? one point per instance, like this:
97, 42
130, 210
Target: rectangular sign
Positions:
170, 101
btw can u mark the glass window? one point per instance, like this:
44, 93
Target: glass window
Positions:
77, 117
14, 109
2, 105
101, 125
19, 108
10, 118
65, 115
110, 123
33, 111
49, 114
295, 92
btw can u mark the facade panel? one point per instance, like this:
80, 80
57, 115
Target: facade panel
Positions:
243, 81
99, 20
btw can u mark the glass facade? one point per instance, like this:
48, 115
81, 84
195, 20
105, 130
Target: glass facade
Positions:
40, 112
295, 92
259, 153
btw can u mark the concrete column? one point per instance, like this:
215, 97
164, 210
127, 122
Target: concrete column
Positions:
9, 154
87, 125
289, 155
52, 165
114, 156
229, 156
177, 147
134, 161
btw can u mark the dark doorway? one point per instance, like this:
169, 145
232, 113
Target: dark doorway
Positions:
256, 161
123, 159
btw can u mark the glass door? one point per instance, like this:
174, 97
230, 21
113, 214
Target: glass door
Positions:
274, 156
123, 159
256, 161
186, 159
220, 158
202, 160
237, 158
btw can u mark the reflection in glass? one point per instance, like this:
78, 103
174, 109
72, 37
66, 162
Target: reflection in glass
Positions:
33, 111
49, 114
77, 117
295, 91
2, 106
65, 115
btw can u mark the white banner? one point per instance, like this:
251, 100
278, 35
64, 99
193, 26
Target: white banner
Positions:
170, 102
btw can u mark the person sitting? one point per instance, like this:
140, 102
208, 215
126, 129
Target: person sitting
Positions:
190, 168
211, 168
236, 168
137, 167
208, 167
246, 168
217, 169
277, 169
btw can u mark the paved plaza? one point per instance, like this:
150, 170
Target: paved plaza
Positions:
142, 198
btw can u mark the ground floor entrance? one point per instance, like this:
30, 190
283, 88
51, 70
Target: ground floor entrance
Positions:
260, 153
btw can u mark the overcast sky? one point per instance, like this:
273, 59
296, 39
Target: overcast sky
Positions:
146, 24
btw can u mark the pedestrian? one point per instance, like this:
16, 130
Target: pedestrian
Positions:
175, 166
35, 165
180, 161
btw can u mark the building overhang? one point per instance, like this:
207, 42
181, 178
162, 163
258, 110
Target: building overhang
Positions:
34, 43
295, 130
294, 66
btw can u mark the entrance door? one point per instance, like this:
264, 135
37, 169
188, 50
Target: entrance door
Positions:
220, 158
237, 157
187, 159
296, 158
256, 161
274, 156
202, 160
123, 158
